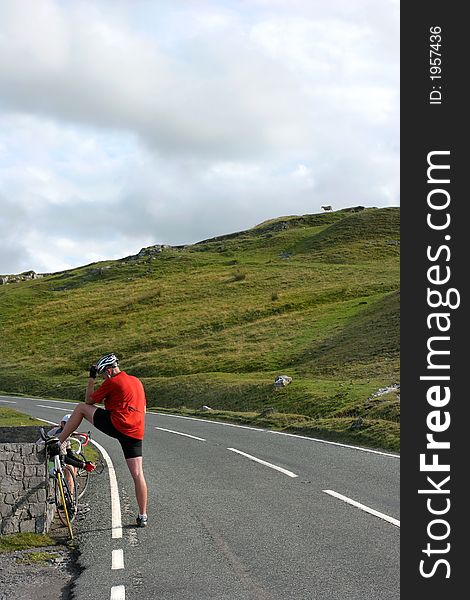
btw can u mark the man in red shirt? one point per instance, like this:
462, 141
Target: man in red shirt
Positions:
123, 418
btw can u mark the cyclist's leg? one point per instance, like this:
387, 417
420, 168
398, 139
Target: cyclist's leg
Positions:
68, 472
81, 411
132, 449
136, 469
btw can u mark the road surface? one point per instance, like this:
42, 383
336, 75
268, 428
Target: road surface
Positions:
237, 513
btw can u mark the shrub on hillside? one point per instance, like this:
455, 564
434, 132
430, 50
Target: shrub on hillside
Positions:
239, 276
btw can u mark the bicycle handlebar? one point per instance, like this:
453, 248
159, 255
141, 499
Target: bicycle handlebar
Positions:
85, 436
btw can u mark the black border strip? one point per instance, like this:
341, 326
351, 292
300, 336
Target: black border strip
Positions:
427, 128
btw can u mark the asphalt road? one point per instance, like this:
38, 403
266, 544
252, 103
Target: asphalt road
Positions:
224, 526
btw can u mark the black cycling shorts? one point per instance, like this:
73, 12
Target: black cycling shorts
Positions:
131, 447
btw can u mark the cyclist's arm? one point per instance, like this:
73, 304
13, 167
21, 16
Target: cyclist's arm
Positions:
94, 397
89, 391
74, 461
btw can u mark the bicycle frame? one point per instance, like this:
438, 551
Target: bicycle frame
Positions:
59, 476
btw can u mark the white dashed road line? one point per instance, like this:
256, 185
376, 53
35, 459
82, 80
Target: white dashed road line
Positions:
179, 433
118, 592
8, 401
117, 559
263, 462
363, 507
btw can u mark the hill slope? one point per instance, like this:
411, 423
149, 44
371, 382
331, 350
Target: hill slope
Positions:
314, 297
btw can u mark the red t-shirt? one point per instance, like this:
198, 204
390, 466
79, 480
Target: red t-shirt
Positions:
124, 397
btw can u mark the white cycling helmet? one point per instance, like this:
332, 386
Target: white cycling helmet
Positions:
108, 361
65, 418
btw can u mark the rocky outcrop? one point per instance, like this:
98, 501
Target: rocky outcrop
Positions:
148, 252
282, 380
25, 276
354, 209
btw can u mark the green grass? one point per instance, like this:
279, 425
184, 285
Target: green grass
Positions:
40, 558
24, 541
315, 297
13, 418
91, 454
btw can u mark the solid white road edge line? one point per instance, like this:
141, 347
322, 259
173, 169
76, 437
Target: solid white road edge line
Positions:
263, 462
304, 437
194, 437
46, 400
205, 421
293, 435
116, 523
118, 592
376, 513
117, 561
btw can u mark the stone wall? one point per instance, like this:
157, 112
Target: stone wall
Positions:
23, 482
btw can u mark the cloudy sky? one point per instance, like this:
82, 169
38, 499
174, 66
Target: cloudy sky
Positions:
126, 123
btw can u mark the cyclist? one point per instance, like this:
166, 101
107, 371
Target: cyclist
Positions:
123, 418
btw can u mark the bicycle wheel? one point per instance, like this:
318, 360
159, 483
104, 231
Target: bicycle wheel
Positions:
65, 492
81, 478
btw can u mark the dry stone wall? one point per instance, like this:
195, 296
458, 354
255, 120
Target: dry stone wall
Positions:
23, 482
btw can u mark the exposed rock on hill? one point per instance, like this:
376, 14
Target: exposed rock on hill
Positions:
26, 275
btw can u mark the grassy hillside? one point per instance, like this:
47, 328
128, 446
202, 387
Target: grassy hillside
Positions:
314, 297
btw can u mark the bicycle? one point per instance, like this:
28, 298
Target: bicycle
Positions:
65, 490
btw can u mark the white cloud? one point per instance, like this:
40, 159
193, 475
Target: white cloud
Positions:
130, 123
105, 75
